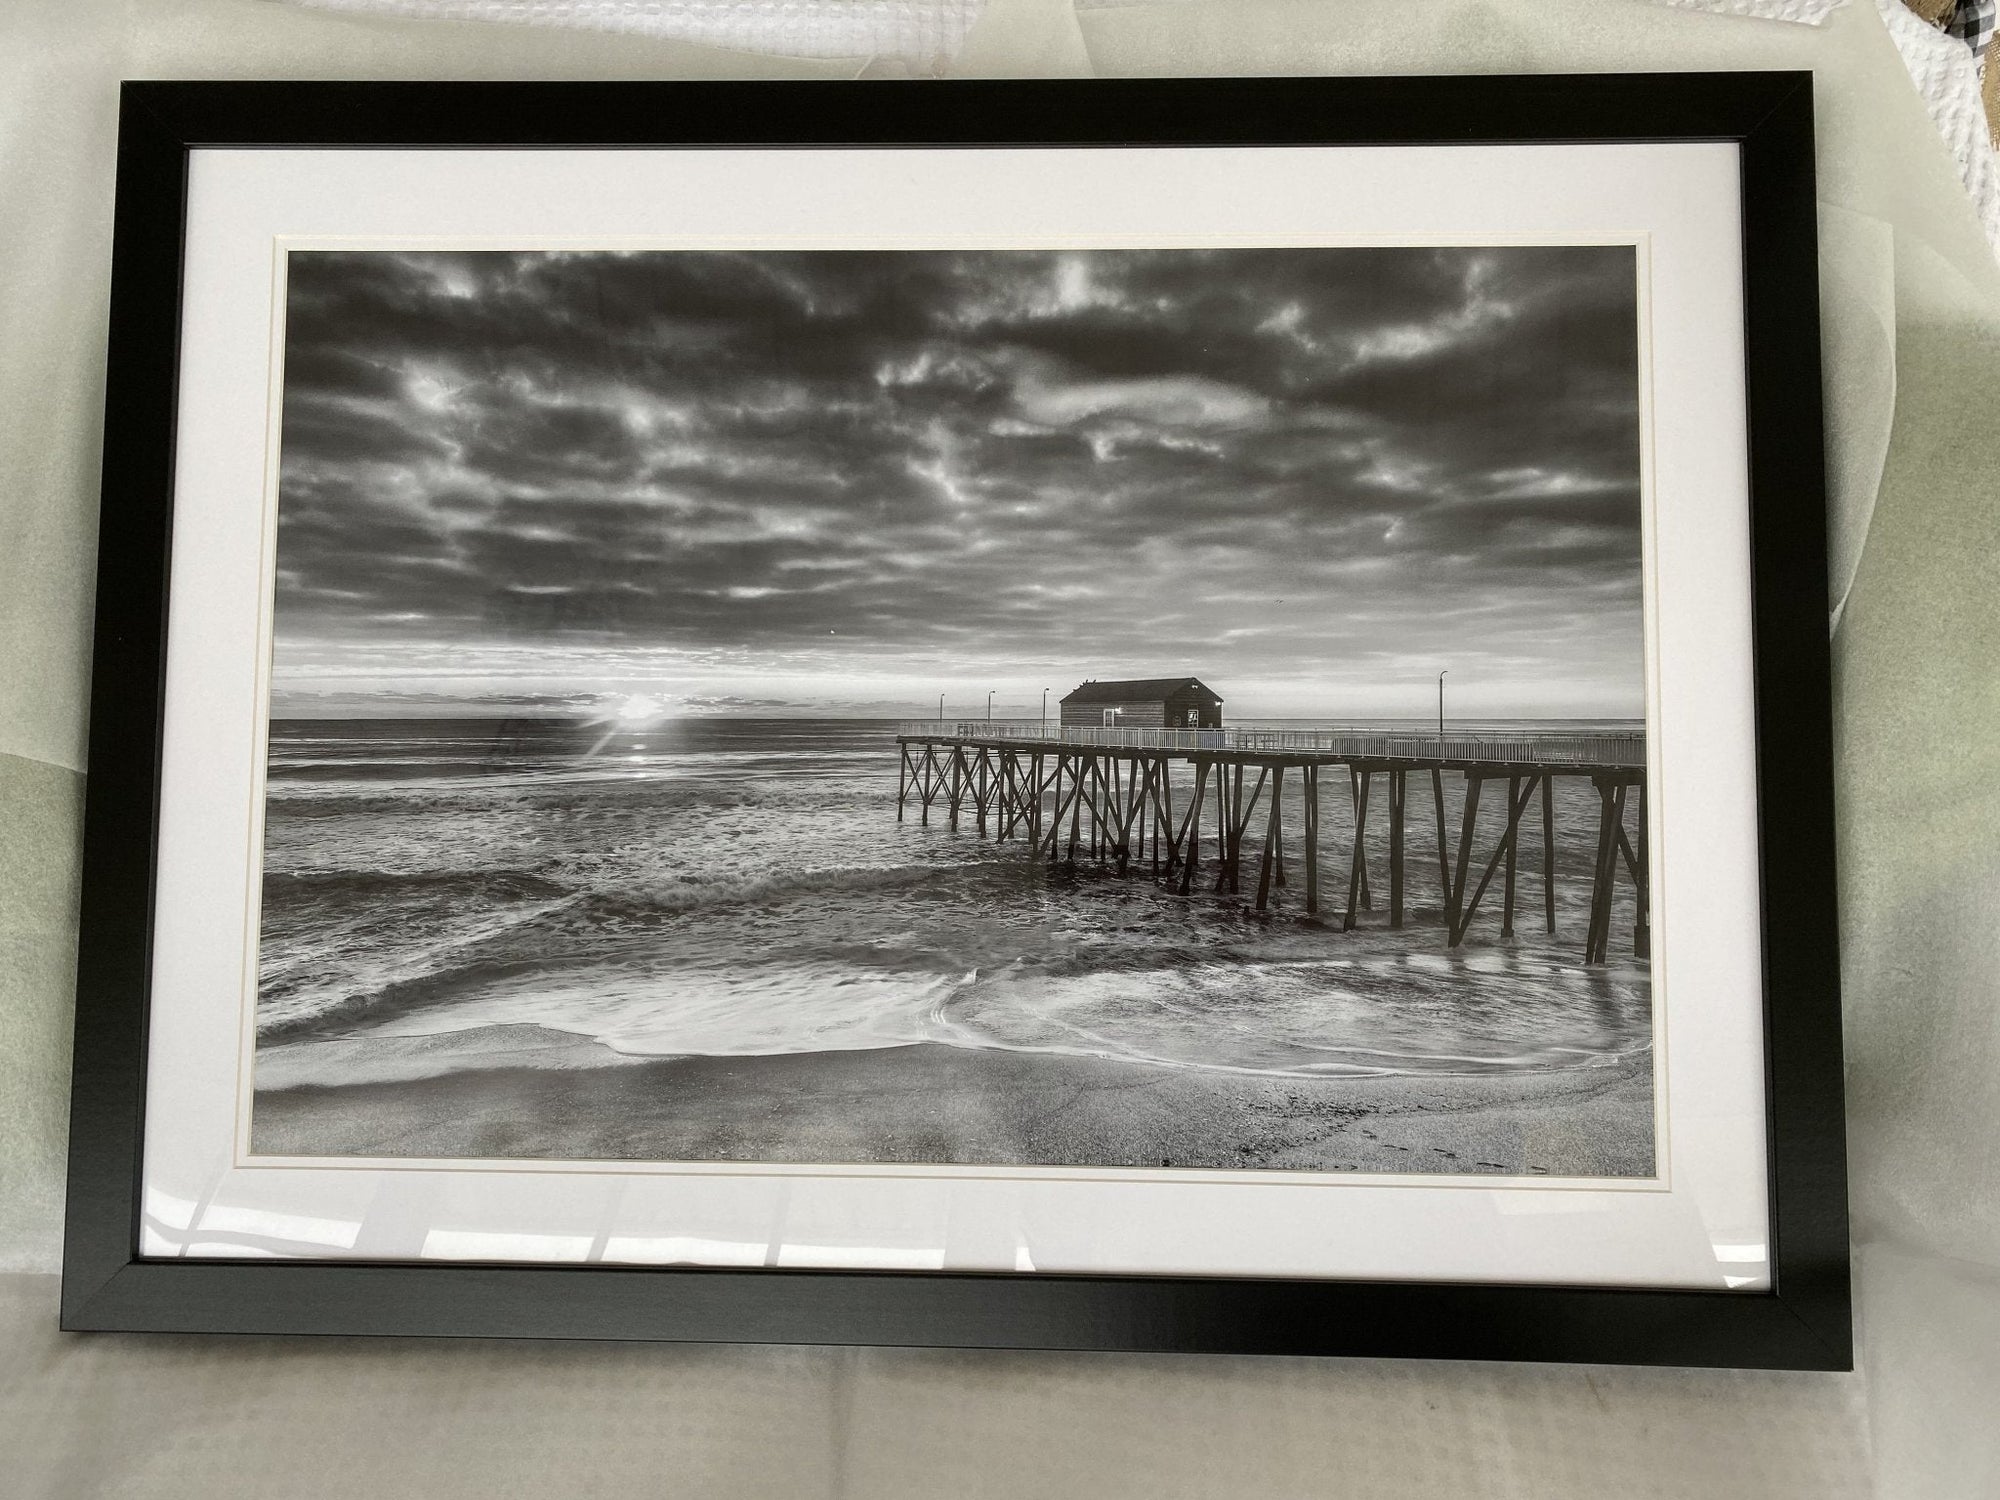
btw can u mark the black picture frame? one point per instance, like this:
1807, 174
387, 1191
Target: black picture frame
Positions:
1802, 1322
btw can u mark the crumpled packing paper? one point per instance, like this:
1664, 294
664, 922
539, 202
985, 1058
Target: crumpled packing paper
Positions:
1946, 75
1911, 296
1806, 12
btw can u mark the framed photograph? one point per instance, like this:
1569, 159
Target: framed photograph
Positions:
1158, 715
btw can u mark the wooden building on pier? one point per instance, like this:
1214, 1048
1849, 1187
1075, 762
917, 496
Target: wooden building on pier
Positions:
1143, 703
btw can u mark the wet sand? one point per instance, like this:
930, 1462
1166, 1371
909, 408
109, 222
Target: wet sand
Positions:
513, 1092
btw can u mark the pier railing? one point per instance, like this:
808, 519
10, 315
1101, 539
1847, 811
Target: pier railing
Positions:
1540, 747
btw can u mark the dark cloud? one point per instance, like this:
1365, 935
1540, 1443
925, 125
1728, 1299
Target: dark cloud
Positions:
736, 701
1260, 464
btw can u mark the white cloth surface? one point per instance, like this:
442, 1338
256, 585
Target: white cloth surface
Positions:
926, 35
334, 1419
920, 32
1908, 275
1858, 334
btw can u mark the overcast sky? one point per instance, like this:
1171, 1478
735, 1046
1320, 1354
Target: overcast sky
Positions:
847, 482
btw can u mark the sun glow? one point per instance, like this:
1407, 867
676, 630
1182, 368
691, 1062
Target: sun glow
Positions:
617, 716
637, 709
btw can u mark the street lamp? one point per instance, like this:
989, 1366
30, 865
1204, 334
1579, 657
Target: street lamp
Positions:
989, 705
1441, 703
1045, 708
940, 708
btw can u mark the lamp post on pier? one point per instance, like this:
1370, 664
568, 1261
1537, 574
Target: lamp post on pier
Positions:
989, 705
1045, 708
940, 708
1441, 702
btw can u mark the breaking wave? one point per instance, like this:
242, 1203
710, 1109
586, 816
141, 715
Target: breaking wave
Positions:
763, 898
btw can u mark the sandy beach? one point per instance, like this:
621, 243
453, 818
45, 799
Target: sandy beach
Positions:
513, 1092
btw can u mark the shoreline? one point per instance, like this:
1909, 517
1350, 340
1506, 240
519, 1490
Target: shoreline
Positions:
539, 1094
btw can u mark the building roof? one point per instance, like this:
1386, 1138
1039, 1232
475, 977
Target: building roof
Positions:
1141, 690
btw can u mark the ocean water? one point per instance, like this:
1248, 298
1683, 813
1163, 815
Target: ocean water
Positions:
730, 886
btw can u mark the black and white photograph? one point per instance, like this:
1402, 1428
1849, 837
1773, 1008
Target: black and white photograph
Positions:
1086, 708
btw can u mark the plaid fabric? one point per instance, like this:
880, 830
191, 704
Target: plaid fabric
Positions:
1972, 22
1989, 92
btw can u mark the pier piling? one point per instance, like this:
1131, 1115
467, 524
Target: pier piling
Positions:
1310, 775
1271, 838
1398, 796
1549, 851
1357, 868
1115, 790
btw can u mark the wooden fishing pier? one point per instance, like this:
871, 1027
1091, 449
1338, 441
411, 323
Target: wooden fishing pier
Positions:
1111, 795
